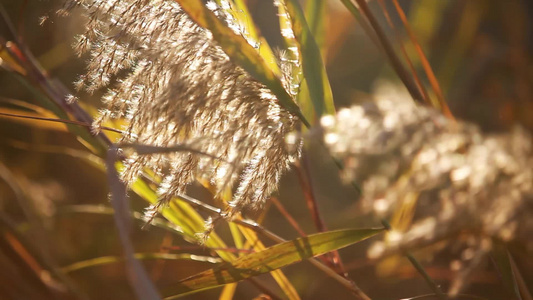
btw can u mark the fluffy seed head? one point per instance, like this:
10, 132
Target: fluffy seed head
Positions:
396, 149
175, 85
460, 180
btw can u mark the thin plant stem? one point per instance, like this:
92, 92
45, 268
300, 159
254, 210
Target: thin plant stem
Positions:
59, 121
263, 288
304, 177
137, 276
522, 285
425, 63
418, 82
418, 266
287, 216
388, 49
310, 200
198, 247
334, 255
362, 22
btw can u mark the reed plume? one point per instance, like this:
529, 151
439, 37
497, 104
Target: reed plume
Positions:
175, 86
460, 180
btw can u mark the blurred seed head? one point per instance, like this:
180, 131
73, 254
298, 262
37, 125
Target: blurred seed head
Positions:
466, 181
175, 85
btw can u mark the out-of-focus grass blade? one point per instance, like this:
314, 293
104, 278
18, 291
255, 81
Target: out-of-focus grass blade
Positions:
315, 14
272, 258
238, 49
20, 254
56, 56
228, 291
136, 274
9, 63
314, 72
502, 259
400, 221
108, 211
25, 105
90, 158
32, 122
105, 260
372, 27
460, 42
84, 136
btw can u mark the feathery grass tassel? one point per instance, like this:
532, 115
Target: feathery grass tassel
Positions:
174, 85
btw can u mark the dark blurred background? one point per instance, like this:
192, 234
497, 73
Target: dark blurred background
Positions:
480, 50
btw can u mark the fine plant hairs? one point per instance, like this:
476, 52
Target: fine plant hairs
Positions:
174, 85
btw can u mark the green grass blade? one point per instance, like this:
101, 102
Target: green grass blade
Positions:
240, 52
315, 14
243, 15
314, 72
272, 258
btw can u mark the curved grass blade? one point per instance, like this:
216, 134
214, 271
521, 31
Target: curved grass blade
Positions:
91, 159
238, 49
33, 119
272, 258
105, 260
